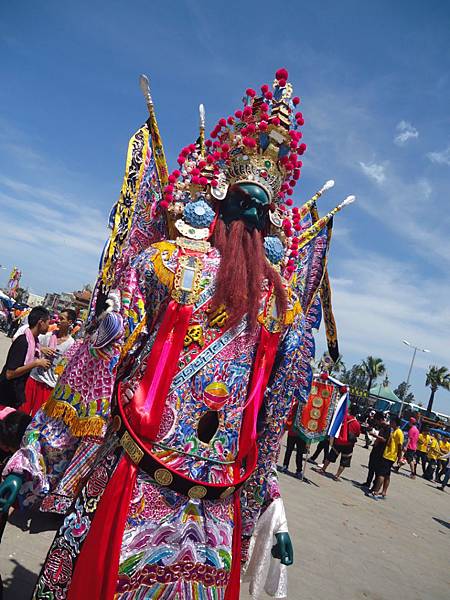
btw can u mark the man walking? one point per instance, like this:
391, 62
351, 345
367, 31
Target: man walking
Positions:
23, 356
392, 452
411, 447
379, 444
422, 449
343, 445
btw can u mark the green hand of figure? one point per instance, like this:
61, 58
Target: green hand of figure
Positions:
283, 549
9, 490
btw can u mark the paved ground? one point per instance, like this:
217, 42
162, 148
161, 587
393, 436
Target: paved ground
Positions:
348, 546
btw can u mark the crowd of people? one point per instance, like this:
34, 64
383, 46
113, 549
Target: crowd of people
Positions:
33, 364
392, 447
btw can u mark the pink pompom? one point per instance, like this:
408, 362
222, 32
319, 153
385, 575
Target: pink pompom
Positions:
289, 192
250, 142
181, 160
299, 115
275, 121
293, 145
209, 159
264, 107
177, 173
247, 111
208, 143
184, 152
213, 133
195, 179
294, 253
213, 183
172, 178
216, 155
238, 114
164, 204
296, 100
222, 122
300, 122
202, 164
282, 83
302, 149
263, 126
230, 120
169, 189
268, 95
216, 144
195, 171
225, 156
289, 201
203, 181
251, 128
192, 147
297, 227
286, 223
250, 92
264, 117
281, 74
225, 147
265, 88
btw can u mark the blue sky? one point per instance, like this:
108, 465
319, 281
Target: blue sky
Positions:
375, 87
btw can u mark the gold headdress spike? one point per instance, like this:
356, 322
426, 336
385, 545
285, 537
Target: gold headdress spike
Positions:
310, 233
201, 139
308, 205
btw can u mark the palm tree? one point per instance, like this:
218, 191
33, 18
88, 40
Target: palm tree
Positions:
436, 377
373, 368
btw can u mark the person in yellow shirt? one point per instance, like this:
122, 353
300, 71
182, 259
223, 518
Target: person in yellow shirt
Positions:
442, 463
433, 454
422, 449
392, 452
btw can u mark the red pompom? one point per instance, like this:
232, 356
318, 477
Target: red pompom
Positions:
265, 88
299, 115
216, 155
185, 151
230, 120
281, 74
202, 164
225, 147
293, 145
250, 92
268, 95
208, 143
251, 128
195, 179
250, 142
263, 126
343, 389
213, 183
222, 122
169, 188
192, 147
177, 173
302, 149
324, 376
238, 114
294, 253
296, 174
203, 181
296, 100
289, 201
275, 121
195, 171
300, 122
297, 227
172, 178
209, 159
213, 133
264, 107
289, 192
247, 111
164, 204
282, 83
181, 160
216, 144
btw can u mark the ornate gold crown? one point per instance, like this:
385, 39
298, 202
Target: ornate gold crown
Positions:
259, 144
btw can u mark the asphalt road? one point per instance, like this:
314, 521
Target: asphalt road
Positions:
347, 546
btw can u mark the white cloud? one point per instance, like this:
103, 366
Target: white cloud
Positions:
374, 171
440, 158
405, 132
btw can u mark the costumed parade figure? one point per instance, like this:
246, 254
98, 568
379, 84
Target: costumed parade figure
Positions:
161, 438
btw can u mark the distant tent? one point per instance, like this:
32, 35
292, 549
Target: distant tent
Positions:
384, 392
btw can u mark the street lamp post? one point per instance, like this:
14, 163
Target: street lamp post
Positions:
410, 368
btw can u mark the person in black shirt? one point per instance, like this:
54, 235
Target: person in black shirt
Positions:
378, 447
15, 372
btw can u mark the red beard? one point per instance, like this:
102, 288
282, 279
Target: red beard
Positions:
243, 268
